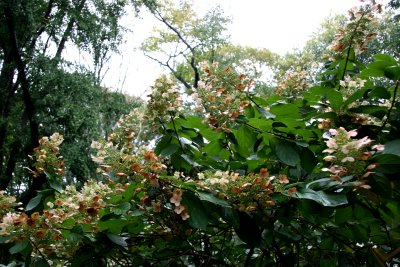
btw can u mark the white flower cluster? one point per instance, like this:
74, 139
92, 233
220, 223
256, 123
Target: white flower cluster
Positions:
347, 155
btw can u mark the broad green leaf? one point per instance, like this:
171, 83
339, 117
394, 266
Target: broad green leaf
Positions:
114, 226
384, 57
380, 92
19, 246
343, 215
39, 263
366, 73
326, 183
55, 185
198, 214
189, 160
265, 113
248, 230
335, 98
359, 94
33, 203
285, 110
285, 152
379, 65
169, 150
117, 239
392, 72
209, 197
325, 199
122, 208
376, 111
245, 138
392, 147
164, 142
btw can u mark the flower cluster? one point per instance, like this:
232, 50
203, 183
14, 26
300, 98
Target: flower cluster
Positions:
221, 95
252, 192
293, 83
48, 231
7, 204
357, 32
179, 207
351, 85
165, 100
348, 155
120, 160
127, 133
47, 156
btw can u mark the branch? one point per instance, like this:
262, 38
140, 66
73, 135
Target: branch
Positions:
392, 105
192, 49
29, 106
177, 76
42, 27
68, 30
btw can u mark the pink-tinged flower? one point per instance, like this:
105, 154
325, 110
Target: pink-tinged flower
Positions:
378, 147
351, 133
283, 179
363, 142
331, 143
179, 209
372, 166
333, 131
176, 197
329, 158
185, 215
348, 159
329, 150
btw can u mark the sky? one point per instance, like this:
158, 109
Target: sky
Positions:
278, 25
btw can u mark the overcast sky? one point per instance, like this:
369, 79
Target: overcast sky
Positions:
278, 25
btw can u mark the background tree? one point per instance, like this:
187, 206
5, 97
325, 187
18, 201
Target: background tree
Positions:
40, 90
184, 40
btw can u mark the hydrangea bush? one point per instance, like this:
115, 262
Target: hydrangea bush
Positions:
253, 181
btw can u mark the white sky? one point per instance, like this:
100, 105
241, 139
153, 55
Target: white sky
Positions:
278, 25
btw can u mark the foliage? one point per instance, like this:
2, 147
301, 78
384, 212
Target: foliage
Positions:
42, 92
290, 180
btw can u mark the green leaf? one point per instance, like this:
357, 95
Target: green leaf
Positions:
376, 111
366, 73
117, 239
384, 57
392, 147
325, 199
18, 247
248, 230
40, 263
343, 215
245, 138
169, 150
285, 110
189, 160
380, 92
122, 208
55, 185
33, 203
392, 72
285, 152
355, 96
209, 197
335, 98
198, 214
162, 144
265, 113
